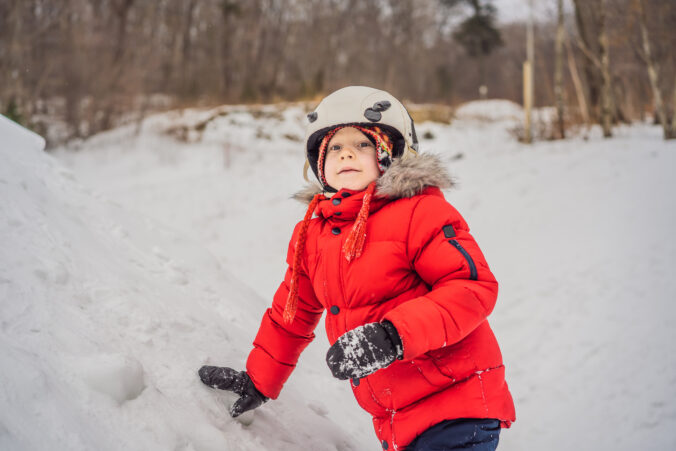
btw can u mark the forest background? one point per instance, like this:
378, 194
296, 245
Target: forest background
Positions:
72, 68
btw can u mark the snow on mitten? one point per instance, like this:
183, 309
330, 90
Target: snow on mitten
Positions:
238, 382
364, 350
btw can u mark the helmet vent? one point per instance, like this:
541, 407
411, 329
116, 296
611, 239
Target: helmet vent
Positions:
382, 105
312, 116
372, 115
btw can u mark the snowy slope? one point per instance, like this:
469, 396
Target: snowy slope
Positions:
106, 317
577, 232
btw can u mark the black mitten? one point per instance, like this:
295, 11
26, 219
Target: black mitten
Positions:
364, 350
238, 382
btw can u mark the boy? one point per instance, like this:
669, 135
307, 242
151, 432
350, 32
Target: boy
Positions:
405, 284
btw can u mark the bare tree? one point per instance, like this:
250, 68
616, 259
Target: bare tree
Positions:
607, 89
653, 74
597, 12
90, 64
577, 82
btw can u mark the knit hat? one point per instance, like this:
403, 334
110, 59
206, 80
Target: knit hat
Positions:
376, 135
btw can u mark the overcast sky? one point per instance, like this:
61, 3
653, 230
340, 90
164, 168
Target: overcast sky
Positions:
513, 10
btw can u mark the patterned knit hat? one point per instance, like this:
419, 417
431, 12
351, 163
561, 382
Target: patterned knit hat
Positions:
376, 135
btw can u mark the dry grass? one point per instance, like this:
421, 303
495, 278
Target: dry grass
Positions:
430, 112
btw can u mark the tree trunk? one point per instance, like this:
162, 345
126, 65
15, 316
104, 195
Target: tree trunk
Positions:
186, 69
558, 71
122, 11
586, 19
483, 89
653, 74
579, 90
673, 115
607, 90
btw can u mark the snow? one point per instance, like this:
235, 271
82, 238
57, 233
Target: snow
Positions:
117, 375
108, 314
133, 258
489, 111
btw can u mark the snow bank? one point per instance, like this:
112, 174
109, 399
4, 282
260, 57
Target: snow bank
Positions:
489, 111
106, 317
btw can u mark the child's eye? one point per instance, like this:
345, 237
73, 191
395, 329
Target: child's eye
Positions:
365, 144
334, 148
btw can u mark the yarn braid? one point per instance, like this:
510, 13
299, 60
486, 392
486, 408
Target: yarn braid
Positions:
292, 300
354, 244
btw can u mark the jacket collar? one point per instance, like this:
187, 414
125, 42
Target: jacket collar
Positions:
404, 178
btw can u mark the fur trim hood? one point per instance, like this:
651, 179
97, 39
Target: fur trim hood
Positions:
404, 178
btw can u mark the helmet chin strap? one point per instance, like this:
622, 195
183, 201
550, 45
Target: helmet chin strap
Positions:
305, 168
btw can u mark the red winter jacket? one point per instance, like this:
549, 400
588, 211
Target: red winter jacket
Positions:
420, 269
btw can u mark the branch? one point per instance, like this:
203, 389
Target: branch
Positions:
588, 53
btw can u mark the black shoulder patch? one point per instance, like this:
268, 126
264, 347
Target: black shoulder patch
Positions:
449, 231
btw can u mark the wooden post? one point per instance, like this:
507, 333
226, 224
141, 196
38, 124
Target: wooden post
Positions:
528, 79
528, 101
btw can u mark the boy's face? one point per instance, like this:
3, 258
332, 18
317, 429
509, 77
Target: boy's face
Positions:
350, 160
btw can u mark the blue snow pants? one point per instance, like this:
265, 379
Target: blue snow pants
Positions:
464, 434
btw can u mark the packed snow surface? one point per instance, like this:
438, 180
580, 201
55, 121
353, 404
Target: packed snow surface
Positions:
133, 258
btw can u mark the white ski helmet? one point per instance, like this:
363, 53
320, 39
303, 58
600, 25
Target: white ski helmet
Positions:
360, 105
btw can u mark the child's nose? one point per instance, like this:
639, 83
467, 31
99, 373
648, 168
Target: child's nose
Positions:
347, 152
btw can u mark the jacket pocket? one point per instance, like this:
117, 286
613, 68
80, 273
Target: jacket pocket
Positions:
406, 382
470, 261
441, 358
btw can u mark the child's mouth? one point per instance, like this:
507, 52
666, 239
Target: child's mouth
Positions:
347, 171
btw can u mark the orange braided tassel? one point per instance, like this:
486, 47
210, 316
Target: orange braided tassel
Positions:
354, 244
292, 300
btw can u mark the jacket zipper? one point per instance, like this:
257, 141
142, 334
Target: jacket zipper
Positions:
472, 266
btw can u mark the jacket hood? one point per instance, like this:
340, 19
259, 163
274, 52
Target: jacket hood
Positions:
404, 178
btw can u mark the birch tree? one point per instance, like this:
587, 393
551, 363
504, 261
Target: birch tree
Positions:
661, 109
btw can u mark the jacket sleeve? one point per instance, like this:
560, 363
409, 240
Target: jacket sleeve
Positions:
463, 289
277, 345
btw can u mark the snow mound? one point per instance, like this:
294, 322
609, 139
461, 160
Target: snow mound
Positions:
116, 375
106, 317
489, 110
18, 137
234, 124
